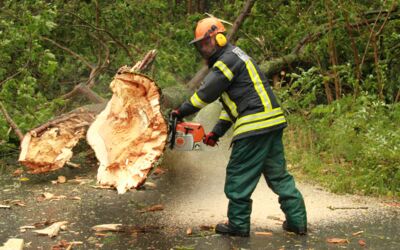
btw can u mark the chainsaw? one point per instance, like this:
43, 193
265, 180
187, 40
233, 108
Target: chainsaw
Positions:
185, 136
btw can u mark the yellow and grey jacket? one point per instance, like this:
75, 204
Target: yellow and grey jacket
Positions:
247, 99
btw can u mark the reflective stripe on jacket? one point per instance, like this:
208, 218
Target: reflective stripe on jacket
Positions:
244, 92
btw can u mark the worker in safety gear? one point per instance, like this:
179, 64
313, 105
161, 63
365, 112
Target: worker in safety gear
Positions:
258, 122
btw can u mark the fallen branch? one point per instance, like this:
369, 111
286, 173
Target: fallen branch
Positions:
89, 25
11, 122
10, 77
274, 66
336, 208
74, 54
49, 146
84, 87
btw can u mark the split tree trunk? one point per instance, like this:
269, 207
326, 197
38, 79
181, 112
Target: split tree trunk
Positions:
49, 146
128, 136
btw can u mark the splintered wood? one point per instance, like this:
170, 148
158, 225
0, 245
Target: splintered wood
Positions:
49, 146
130, 134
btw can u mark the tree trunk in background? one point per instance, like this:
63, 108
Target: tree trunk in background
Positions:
189, 6
377, 67
333, 53
355, 55
11, 122
328, 92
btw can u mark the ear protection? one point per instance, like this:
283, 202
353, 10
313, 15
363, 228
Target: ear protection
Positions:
219, 38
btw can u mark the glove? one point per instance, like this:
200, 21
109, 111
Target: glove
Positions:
176, 114
211, 139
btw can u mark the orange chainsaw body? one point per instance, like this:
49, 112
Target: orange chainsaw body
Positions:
189, 136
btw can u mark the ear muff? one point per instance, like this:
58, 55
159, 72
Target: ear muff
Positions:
221, 40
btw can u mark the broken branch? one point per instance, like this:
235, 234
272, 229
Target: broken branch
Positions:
74, 54
11, 122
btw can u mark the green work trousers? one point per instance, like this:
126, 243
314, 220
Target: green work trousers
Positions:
251, 157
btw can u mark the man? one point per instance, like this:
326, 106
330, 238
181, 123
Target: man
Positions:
248, 103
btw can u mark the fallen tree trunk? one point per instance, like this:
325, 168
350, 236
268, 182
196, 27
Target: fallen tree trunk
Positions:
130, 134
49, 146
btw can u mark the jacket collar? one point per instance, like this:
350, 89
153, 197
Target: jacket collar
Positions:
214, 58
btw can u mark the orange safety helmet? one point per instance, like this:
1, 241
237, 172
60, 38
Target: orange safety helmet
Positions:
207, 27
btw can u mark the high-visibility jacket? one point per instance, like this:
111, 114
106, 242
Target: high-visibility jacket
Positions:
247, 99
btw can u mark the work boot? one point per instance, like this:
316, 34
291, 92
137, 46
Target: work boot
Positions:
299, 231
225, 229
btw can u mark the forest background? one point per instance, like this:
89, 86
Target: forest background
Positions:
334, 65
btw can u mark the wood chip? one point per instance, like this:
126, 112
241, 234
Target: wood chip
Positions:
362, 243
357, 233
79, 181
52, 230
159, 171
103, 187
18, 203
5, 206
13, 244
336, 208
107, 227
189, 231
153, 208
17, 172
337, 241
206, 227
263, 233
100, 234
61, 179
73, 165
150, 184
49, 196
63, 244
392, 204
76, 198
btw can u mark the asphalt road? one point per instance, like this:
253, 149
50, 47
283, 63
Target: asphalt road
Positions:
191, 194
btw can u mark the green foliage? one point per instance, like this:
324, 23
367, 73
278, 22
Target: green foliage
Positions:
26, 95
349, 144
357, 142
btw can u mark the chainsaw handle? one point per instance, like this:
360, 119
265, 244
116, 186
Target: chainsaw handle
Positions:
173, 122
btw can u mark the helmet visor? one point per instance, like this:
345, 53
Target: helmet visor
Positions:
205, 47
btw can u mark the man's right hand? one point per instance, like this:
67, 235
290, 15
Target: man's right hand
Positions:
211, 139
176, 114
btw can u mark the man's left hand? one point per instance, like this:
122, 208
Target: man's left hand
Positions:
211, 139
